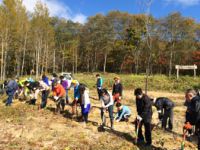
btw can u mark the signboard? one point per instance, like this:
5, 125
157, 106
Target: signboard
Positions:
186, 67
180, 67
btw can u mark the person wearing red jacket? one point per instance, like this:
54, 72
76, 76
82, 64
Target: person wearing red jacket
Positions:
59, 94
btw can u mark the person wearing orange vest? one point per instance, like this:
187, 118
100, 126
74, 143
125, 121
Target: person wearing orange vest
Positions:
59, 95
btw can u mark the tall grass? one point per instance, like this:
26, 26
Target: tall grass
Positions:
131, 81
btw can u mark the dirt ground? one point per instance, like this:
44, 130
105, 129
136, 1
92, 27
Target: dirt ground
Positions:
25, 127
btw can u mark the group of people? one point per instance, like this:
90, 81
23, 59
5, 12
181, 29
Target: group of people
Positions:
60, 87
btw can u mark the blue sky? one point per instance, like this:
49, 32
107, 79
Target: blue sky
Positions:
159, 8
79, 10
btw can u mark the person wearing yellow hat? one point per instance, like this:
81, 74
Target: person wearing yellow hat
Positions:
117, 90
77, 95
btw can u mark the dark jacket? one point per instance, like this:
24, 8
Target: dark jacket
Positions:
33, 85
12, 87
144, 108
163, 103
195, 110
117, 88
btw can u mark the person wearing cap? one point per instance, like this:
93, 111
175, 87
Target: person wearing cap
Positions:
165, 109
64, 83
117, 90
12, 87
59, 95
144, 111
107, 105
123, 112
99, 84
33, 88
75, 84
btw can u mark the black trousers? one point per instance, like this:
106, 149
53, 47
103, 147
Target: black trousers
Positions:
99, 92
198, 133
147, 128
168, 118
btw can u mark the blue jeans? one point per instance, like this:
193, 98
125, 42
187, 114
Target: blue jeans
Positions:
9, 99
45, 95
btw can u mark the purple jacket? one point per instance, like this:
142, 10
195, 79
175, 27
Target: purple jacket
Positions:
64, 83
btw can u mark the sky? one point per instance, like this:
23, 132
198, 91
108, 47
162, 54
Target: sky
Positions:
80, 10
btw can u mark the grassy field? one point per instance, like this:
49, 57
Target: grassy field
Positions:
157, 82
25, 127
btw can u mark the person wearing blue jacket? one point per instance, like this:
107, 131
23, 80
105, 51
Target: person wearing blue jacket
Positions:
123, 112
11, 89
77, 95
45, 79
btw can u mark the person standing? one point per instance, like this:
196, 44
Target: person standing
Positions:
12, 87
192, 97
165, 109
107, 105
99, 84
77, 100
85, 102
59, 94
64, 83
45, 93
144, 111
117, 90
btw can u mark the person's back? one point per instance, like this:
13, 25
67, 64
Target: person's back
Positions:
59, 90
126, 109
164, 103
12, 86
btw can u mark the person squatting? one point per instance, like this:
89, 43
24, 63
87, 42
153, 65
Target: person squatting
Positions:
57, 88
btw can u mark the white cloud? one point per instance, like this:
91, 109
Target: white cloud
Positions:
56, 8
79, 18
184, 2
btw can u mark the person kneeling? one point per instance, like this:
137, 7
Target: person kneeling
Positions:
123, 113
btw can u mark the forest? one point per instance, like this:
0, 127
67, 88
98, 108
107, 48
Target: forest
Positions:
117, 42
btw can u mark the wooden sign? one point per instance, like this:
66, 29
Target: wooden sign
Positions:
180, 67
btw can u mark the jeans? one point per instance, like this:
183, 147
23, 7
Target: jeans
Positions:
168, 117
45, 95
110, 111
9, 99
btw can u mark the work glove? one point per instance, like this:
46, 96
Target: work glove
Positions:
139, 118
187, 126
56, 98
117, 120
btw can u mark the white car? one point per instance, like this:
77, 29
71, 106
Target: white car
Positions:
68, 77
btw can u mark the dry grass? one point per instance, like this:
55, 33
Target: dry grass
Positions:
24, 127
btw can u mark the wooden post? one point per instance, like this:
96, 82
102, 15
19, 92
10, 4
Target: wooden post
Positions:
178, 67
177, 73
